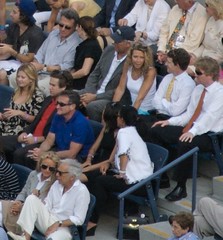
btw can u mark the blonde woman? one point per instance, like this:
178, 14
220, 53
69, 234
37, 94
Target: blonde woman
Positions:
25, 102
38, 183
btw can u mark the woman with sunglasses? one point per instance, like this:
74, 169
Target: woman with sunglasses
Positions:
138, 77
87, 53
38, 183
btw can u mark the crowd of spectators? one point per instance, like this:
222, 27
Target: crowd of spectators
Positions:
87, 66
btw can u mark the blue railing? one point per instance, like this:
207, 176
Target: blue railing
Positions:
182, 158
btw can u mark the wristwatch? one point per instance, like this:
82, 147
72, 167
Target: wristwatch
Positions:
60, 223
45, 68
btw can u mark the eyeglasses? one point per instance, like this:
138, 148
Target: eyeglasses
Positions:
51, 169
64, 26
198, 72
60, 172
61, 104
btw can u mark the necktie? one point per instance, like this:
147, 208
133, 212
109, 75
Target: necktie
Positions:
176, 31
196, 112
170, 89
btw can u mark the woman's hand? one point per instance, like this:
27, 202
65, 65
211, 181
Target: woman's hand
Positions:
9, 113
104, 168
16, 207
87, 162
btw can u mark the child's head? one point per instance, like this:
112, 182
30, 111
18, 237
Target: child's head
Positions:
182, 223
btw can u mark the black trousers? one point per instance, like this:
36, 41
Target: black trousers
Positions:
169, 136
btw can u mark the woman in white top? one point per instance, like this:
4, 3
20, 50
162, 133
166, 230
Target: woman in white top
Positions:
148, 15
212, 44
138, 77
132, 162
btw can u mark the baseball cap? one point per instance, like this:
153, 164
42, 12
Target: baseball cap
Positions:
27, 7
123, 33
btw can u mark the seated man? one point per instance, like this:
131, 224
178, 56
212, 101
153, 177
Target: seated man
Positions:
36, 132
208, 218
66, 204
188, 130
57, 51
102, 82
23, 40
71, 134
184, 28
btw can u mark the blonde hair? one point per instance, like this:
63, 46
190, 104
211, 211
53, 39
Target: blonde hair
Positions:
31, 73
148, 54
217, 5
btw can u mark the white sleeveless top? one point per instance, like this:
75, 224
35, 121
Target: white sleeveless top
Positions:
134, 86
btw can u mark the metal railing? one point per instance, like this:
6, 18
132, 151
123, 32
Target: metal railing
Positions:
121, 196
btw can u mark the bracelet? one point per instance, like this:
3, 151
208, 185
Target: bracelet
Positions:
35, 140
122, 172
90, 155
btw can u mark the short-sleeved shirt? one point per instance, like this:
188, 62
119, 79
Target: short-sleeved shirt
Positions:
87, 49
77, 129
29, 42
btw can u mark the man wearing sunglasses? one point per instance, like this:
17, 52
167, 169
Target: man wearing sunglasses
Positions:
34, 134
66, 204
188, 130
57, 51
71, 134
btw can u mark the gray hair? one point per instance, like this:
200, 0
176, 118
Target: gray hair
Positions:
74, 168
70, 14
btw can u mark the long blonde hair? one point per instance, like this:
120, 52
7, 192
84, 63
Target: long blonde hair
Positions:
217, 5
31, 73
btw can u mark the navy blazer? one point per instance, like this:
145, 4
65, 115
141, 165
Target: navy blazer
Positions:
102, 19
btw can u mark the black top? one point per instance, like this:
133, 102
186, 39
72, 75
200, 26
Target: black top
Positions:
89, 48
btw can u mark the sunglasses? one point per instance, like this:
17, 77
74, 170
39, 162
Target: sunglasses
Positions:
61, 104
51, 169
60, 172
198, 72
65, 26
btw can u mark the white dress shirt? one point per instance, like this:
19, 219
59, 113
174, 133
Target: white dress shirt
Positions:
72, 204
180, 97
211, 116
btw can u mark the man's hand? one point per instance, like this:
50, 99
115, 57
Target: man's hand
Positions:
161, 123
104, 31
52, 229
34, 154
87, 98
186, 137
38, 66
122, 22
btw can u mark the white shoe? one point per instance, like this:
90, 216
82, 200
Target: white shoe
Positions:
16, 237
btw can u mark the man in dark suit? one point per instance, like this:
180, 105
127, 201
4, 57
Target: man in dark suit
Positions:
112, 11
36, 132
102, 82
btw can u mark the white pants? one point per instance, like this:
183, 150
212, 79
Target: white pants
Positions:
208, 218
35, 214
42, 17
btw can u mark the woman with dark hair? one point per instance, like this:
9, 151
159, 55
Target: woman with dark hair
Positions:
23, 39
132, 162
87, 53
9, 184
38, 183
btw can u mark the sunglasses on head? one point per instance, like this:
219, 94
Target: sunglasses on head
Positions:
51, 169
60, 172
61, 104
198, 72
65, 26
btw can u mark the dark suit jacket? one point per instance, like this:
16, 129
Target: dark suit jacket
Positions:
96, 78
102, 19
32, 126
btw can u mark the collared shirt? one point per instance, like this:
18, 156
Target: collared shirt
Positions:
114, 10
187, 236
41, 182
72, 204
115, 63
56, 52
180, 97
211, 116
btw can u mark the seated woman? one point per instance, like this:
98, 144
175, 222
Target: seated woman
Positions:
38, 183
9, 184
23, 39
82, 7
25, 103
148, 16
132, 162
138, 77
182, 226
87, 53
